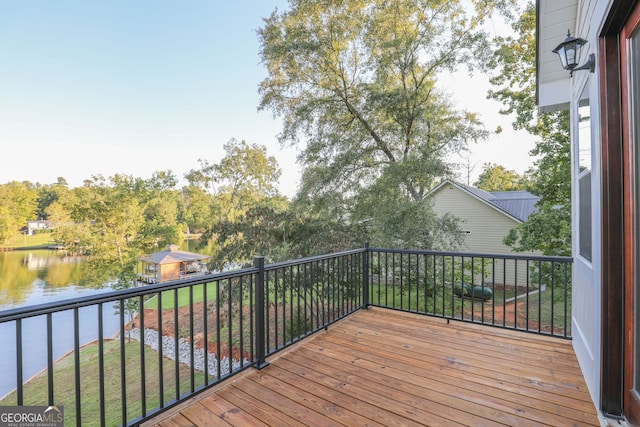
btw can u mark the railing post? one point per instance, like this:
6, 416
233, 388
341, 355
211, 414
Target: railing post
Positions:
365, 277
261, 331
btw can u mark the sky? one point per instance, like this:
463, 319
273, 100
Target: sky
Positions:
135, 87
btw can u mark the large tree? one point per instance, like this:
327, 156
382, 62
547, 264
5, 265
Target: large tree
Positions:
241, 187
496, 177
18, 204
355, 83
549, 229
116, 220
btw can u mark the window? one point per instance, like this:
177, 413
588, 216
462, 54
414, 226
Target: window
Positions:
584, 174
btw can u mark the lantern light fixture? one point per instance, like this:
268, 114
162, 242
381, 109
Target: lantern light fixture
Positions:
569, 53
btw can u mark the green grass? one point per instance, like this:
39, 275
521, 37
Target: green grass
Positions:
541, 306
36, 390
20, 240
168, 297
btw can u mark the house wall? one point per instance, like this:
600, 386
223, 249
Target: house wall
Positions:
169, 272
587, 284
487, 227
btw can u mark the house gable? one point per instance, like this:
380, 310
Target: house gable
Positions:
483, 223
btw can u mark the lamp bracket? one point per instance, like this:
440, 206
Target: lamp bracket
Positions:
589, 65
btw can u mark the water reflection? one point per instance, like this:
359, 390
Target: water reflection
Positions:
38, 277
32, 277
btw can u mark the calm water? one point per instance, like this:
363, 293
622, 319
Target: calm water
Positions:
37, 277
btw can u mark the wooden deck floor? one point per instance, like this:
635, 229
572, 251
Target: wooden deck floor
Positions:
387, 368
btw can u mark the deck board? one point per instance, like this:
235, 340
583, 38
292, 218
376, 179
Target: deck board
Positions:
383, 367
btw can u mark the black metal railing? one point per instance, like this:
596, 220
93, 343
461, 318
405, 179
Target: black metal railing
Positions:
119, 358
524, 292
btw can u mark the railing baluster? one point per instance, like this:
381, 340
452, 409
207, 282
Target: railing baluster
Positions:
103, 412
504, 286
192, 359
19, 368
218, 337
260, 305
176, 344
553, 271
143, 378
566, 301
365, 276
493, 290
299, 329
50, 358
76, 357
230, 325
205, 331
252, 331
123, 368
473, 304
241, 322
160, 357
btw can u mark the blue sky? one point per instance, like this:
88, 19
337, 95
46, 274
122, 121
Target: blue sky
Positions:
133, 87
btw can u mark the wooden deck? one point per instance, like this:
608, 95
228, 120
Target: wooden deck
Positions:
387, 368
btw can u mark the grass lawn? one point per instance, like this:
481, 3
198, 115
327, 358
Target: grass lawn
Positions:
168, 297
36, 390
20, 240
542, 306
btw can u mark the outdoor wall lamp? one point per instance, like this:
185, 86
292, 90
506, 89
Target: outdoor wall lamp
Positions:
569, 53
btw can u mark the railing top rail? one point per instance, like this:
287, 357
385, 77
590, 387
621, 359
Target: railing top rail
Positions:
71, 303
476, 255
283, 264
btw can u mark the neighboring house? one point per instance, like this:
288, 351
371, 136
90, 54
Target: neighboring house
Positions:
604, 106
172, 264
486, 217
33, 226
485, 220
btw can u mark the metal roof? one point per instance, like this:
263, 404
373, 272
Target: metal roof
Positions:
519, 204
172, 255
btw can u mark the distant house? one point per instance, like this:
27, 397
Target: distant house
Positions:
172, 264
486, 217
35, 225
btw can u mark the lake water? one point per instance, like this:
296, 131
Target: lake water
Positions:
37, 277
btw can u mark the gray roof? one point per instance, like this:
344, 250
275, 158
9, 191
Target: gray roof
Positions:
172, 256
519, 204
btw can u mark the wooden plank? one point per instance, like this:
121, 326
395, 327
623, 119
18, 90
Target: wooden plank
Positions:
200, 415
177, 420
536, 348
424, 403
326, 401
456, 392
228, 412
384, 409
523, 339
464, 359
535, 352
257, 407
383, 367
289, 403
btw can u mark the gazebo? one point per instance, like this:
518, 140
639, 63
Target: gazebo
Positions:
171, 264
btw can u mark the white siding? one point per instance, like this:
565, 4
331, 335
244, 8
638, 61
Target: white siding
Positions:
556, 17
